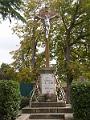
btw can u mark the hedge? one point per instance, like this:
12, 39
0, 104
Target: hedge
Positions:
80, 100
9, 99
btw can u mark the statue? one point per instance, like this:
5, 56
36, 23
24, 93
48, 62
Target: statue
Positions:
46, 17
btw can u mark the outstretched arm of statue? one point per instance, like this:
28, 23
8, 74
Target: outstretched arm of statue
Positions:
54, 16
39, 17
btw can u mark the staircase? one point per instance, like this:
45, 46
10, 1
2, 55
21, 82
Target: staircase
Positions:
50, 107
48, 110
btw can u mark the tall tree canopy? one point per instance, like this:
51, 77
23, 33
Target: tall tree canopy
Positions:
27, 58
73, 38
72, 42
10, 8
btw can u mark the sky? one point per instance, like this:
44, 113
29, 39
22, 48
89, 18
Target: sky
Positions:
8, 42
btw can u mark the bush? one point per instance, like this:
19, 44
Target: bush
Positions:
80, 99
9, 99
24, 102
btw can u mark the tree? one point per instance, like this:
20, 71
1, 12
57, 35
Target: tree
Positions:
11, 8
7, 72
27, 58
72, 41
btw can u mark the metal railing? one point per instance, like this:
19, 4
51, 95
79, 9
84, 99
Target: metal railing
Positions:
34, 94
60, 91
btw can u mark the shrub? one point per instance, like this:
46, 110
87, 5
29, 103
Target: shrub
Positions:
80, 99
24, 102
9, 99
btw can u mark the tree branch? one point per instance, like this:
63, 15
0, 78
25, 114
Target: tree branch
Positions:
62, 16
74, 18
80, 37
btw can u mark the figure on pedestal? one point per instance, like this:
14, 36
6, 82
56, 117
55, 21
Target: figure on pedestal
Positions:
46, 17
47, 84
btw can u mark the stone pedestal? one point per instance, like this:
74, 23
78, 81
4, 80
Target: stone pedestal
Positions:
48, 84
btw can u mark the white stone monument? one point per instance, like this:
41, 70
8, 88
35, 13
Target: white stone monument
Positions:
48, 83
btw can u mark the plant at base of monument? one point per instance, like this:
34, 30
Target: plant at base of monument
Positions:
24, 102
9, 99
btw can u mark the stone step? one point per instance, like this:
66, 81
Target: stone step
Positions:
27, 117
46, 119
47, 116
23, 117
66, 109
48, 104
69, 116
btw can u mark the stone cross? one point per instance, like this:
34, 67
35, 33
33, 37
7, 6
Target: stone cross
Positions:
45, 16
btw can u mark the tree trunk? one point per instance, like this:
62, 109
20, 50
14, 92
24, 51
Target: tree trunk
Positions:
68, 72
68, 92
34, 53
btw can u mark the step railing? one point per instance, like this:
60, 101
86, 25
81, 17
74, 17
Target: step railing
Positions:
34, 94
60, 91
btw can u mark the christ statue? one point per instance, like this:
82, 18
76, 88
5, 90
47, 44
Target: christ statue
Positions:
46, 17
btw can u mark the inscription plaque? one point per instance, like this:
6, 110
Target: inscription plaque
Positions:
48, 85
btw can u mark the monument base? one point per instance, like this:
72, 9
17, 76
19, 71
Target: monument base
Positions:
46, 98
47, 85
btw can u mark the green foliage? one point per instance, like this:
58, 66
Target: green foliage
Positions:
9, 99
27, 58
72, 38
10, 8
7, 72
80, 95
